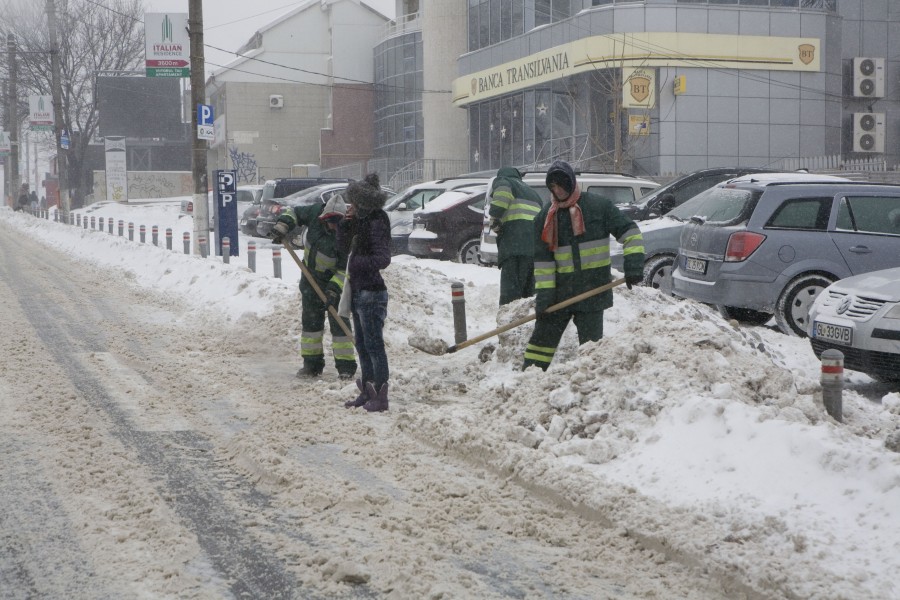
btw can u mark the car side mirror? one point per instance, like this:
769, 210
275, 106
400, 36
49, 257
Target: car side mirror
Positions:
666, 203
402, 206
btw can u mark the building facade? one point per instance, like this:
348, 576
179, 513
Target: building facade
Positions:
671, 86
300, 92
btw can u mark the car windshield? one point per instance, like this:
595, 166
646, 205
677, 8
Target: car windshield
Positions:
306, 196
717, 204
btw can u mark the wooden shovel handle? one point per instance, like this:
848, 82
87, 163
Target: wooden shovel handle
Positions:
531, 317
319, 292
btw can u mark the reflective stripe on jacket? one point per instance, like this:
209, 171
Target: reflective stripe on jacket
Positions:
581, 263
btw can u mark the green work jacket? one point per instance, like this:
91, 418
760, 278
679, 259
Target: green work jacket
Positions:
581, 263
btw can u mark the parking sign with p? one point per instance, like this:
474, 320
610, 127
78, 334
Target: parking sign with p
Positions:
205, 118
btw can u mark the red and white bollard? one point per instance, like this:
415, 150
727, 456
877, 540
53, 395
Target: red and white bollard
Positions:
143, 232
154, 235
458, 297
226, 250
187, 242
204, 247
276, 262
251, 255
168, 238
832, 380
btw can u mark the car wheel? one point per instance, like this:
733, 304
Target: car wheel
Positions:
792, 309
744, 315
470, 252
657, 270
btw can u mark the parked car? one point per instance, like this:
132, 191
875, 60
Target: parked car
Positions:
660, 201
247, 222
246, 196
401, 206
319, 194
770, 243
860, 316
449, 227
277, 191
622, 190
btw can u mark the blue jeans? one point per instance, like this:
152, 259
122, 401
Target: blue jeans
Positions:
369, 311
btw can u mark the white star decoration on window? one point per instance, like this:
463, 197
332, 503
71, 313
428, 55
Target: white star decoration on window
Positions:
491, 127
528, 147
542, 109
475, 157
503, 132
515, 113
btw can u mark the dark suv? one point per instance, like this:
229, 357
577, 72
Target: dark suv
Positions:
663, 199
274, 193
449, 227
766, 245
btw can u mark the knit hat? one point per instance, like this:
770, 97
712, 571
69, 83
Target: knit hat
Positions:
335, 209
366, 195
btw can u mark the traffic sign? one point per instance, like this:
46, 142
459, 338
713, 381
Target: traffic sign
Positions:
205, 128
64, 140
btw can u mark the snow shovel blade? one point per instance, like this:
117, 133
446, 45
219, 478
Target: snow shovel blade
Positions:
439, 347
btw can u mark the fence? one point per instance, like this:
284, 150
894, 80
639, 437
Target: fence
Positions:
398, 173
835, 162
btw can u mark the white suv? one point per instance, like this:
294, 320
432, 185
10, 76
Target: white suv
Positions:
622, 190
400, 207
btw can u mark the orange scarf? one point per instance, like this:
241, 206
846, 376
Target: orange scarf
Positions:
550, 233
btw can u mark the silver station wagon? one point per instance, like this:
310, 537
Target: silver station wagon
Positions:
769, 244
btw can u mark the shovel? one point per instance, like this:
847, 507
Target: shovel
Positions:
439, 347
319, 292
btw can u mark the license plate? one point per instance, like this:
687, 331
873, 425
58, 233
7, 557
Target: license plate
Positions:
695, 265
833, 333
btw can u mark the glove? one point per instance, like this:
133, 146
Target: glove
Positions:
495, 226
543, 301
279, 231
333, 295
631, 280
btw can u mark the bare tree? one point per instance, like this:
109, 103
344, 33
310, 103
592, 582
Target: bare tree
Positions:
92, 38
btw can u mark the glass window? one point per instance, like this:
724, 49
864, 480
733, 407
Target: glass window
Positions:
495, 22
541, 12
873, 214
517, 17
561, 10
721, 205
618, 195
484, 20
542, 129
473, 25
802, 213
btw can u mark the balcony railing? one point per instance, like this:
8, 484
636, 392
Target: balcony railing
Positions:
403, 24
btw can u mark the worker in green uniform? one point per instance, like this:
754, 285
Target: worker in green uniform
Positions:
328, 265
513, 207
571, 256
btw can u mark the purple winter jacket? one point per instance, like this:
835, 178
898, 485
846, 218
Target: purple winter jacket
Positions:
372, 251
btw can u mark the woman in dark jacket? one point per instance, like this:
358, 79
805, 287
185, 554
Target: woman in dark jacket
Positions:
366, 234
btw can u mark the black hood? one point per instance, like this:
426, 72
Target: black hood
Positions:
561, 173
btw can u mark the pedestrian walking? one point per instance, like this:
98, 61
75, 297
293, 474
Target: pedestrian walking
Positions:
513, 207
366, 234
571, 257
23, 201
327, 264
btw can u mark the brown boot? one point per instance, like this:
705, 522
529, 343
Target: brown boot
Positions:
378, 402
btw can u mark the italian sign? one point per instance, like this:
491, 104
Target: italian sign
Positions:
167, 45
40, 113
116, 170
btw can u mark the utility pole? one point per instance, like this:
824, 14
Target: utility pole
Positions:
198, 96
58, 112
7, 190
13, 112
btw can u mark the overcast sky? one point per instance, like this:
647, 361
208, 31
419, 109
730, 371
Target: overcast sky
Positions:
229, 24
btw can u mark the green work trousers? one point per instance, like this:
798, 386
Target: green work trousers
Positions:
312, 349
549, 329
516, 278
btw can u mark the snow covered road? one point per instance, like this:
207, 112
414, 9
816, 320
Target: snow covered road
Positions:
153, 450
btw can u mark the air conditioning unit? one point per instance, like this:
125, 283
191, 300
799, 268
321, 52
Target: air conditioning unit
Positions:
276, 101
868, 77
868, 132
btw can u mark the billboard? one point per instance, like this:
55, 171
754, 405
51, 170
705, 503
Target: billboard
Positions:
40, 113
167, 45
140, 107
